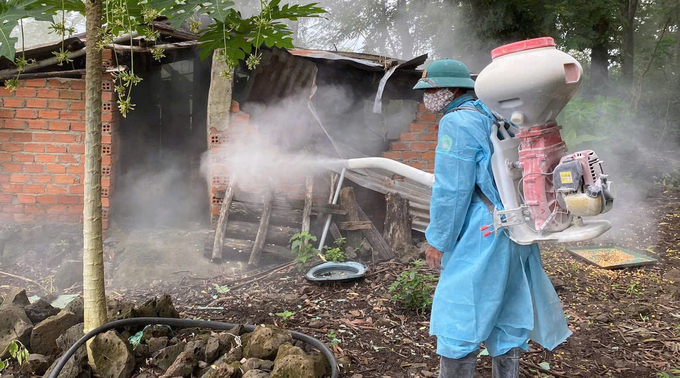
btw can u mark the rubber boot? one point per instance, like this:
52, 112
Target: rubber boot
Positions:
506, 365
458, 368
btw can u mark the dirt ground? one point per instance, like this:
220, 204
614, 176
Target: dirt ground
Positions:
626, 322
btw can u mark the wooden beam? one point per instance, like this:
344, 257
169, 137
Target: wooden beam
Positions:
221, 226
349, 204
164, 46
279, 235
335, 231
355, 226
307, 210
251, 212
397, 230
262, 230
380, 246
240, 246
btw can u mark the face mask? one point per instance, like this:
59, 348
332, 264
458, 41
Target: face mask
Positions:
437, 101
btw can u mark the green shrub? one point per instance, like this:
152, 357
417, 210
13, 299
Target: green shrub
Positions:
413, 289
18, 351
301, 246
336, 254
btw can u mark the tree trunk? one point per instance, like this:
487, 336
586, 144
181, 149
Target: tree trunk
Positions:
94, 296
397, 222
628, 11
599, 59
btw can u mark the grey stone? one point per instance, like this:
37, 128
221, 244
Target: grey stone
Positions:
157, 343
119, 309
166, 356
112, 356
256, 374
40, 310
165, 308
156, 330
294, 366
182, 367
223, 370
14, 325
68, 338
288, 349
15, 297
235, 354
265, 341
196, 348
315, 324
257, 364
37, 364
45, 334
213, 348
76, 306
73, 367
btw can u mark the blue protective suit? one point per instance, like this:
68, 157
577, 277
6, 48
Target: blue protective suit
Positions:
491, 289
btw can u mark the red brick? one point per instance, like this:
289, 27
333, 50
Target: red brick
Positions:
14, 124
6, 113
106, 160
107, 96
12, 168
419, 146
398, 146
27, 114
38, 83
106, 182
34, 168
4, 179
78, 84
106, 139
58, 83
77, 105
71, 95
48, 93
34, 189
57, 209
107, 117
5, 135
75, 209
12, 188
105, 201
59, 125
58, 104
45, 158
49, 114
22, 137
410, 155
68, 158
76, 169
63, 179
24, 158
5, 198
34, 209
25, 199
37, 124
18, 179
53, 149
36, 103
77, 126
428, 137
43, 137
76, 189
13, 209
34, 147
69, 200
417, 127
434, 128
72, 218
25, 92
13, 102
71, 115
53, 189
11, 147
24, 218
4, 92
407, 137
429, 155
64, 138
42, 179
395, 155
55, 168
76, 149
426, 117
46, 199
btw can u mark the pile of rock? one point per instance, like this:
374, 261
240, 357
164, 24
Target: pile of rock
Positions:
152, 351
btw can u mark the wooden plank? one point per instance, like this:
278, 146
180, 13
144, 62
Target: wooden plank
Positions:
221, 226
288, 203
239, 247
261, 231
335, 231
397, 231
349, 204
355, 226
251, 212
307, 210
246, 230
380, 246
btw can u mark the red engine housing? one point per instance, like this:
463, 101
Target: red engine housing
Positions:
540, 152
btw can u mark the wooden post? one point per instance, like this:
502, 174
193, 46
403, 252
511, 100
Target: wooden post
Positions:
221, 226
380, 246
348, 204
307, 211
262, 231
397, 222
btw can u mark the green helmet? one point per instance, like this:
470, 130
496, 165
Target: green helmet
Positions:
445, 73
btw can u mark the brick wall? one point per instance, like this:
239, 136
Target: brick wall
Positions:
42, 134
416, 147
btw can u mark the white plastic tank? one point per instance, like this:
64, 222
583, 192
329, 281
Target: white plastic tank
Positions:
529, 82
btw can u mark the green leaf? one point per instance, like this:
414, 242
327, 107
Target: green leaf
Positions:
13, 349
544, 365
3, 365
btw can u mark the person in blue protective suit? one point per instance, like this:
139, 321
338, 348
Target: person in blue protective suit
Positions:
491, 289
